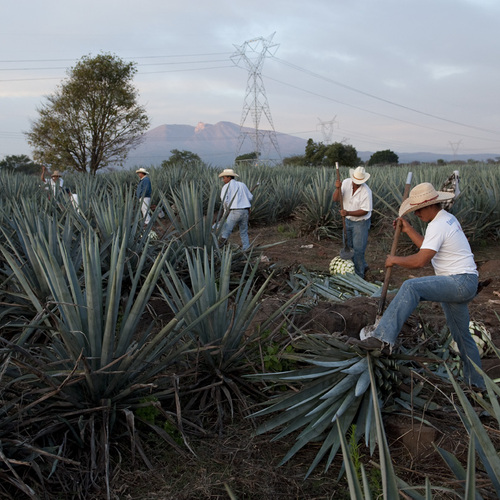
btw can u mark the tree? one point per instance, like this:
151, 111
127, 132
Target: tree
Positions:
184, 158
20, 163
248, 158
386, 157
319, 154
345, 154
92, 119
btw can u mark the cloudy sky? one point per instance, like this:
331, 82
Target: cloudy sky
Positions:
405, 75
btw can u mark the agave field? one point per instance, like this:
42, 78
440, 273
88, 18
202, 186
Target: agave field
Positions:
124, 345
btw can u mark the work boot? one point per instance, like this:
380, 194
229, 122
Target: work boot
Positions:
483, 284
368, 344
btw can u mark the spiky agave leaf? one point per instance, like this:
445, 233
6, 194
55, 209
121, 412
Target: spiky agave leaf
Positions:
318, 215
484, 446
99, 363
223, 337
337, 288
335, 387
191, 216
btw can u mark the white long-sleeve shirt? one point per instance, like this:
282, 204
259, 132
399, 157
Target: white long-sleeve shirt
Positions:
362, 199
235, 195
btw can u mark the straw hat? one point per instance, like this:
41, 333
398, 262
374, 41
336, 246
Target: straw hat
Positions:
142, 171
358, 175
56, 173
228, 172
423, 195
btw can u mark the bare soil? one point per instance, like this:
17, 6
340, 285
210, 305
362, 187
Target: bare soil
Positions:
315, 255
241, 465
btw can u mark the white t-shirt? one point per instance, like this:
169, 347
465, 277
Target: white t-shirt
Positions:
361, 200
445, 236
236, 195
54, 185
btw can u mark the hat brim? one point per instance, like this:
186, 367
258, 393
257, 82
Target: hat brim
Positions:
357, 181
225, 174
407, 207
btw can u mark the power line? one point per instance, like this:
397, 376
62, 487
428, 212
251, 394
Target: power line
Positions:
383, 114
9, 61
387, 101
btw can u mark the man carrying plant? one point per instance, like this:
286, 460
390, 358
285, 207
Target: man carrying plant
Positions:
144, 193
454, 284
357, 209
236, 199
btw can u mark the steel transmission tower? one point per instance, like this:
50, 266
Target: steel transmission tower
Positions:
253, 53
327, 130
454, 148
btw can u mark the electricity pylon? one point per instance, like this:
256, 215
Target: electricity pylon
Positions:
253, 53
327, 130
454, 148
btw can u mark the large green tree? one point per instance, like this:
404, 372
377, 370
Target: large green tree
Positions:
319, 154
93, 119
386, 157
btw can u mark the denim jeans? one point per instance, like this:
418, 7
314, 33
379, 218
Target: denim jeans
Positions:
237, 217
454, 293
357, 239
146, 202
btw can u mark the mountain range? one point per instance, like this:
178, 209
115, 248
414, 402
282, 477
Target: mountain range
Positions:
218, 145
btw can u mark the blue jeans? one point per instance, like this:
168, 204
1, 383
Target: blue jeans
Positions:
237, 217
454, 293
357, 239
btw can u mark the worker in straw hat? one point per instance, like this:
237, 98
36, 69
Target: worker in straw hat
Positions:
357, 209
236, 199
143, 192
454, 284
55, 183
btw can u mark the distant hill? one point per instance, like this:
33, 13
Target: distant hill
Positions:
214, 144
217, 145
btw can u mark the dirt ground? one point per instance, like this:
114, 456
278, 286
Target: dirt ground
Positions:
242, 465
315, 255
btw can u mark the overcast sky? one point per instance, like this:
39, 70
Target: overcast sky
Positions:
405, 75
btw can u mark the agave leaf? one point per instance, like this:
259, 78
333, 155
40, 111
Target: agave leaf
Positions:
363, 383
492, 405
352, 477
346, 422
470, 483
340, 388
331, 442
349, 400
485, 448
358, 367
388, 476
295, 399
453, 463
295, 416
366, 484
335, 364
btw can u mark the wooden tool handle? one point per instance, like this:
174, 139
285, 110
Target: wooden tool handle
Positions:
394, 247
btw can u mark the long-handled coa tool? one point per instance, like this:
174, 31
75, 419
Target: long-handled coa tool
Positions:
368, 330
346, 253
